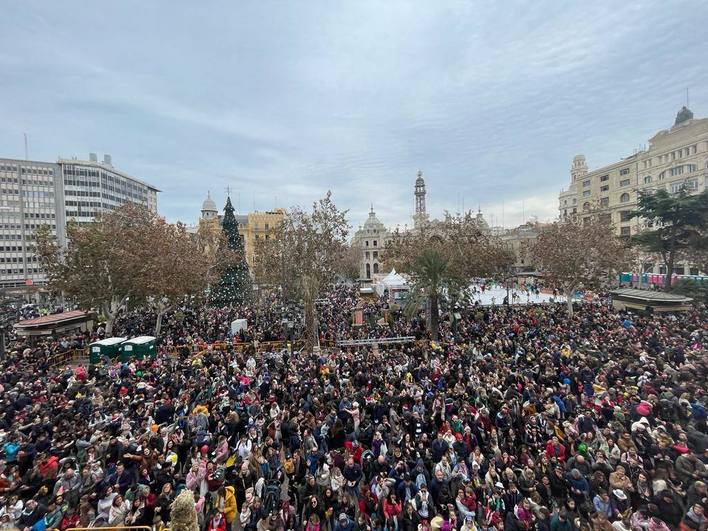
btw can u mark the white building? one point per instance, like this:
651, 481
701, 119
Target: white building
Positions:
34, 193
371, 240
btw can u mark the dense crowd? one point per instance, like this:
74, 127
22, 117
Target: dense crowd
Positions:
517, 418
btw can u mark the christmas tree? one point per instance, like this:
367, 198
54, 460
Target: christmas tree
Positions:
234, 287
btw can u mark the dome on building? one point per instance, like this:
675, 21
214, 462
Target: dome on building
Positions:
208, 205
683, 115
372, 223
481, 222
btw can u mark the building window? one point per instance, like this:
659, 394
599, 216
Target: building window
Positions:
586, 184
366, 255
375, 254
604, 178
624, 171
624, 198
586, 206
625, 215
693, 271
679, 270
647, 179
376, 268
604, 201
375, 243
625, 231
586, 193
689, 186
604, 188
624, 182
367, 243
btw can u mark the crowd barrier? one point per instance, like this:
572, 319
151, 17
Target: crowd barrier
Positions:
133, 527
70, 357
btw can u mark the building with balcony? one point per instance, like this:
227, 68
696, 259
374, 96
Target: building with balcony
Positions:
675, 159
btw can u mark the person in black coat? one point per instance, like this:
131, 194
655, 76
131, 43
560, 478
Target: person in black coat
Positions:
32, 513
670, 510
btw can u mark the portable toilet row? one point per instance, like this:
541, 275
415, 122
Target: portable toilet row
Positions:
120, 347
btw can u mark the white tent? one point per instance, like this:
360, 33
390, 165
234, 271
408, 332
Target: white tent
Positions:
238, 325
393, 282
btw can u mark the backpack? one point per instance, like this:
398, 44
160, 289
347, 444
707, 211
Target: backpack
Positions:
271, 497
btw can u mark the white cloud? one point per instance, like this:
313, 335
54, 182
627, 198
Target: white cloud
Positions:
490, 100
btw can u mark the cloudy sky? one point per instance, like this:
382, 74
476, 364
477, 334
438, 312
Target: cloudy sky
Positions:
281, 101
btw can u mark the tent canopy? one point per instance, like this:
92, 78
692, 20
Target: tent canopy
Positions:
392, 281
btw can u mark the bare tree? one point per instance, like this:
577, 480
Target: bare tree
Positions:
574, 253
304, 256
105, 261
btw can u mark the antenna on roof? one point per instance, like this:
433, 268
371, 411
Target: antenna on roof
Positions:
687, 100
26, 147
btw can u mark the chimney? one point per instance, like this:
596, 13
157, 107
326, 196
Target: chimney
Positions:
93, 157
107, 160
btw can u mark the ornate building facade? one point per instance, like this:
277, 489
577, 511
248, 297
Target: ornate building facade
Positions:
676, 158
371, 240
252, 226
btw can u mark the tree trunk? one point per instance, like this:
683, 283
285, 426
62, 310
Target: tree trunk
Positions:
434, 315
161, 308
112, 311
158, 322
310, 325
110, 321
669, 270
569, 299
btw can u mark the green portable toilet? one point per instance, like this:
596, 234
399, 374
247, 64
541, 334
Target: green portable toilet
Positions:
141, 347
105, 347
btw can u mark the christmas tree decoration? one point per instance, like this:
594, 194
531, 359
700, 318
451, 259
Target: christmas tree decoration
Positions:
234, 287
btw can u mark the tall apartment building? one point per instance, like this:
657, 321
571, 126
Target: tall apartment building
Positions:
676, 158
34, 193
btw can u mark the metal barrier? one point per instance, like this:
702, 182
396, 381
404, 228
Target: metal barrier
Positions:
136, 527
70, 357
375, 341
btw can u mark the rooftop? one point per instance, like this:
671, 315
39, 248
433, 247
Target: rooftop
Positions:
103, 166
654, 296
54, 319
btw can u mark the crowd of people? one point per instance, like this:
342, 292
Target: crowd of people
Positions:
517, 418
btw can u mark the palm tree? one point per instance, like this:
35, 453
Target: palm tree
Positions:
431, 272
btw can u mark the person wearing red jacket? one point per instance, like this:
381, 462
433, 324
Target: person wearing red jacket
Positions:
392, 509
217, 522
555, 449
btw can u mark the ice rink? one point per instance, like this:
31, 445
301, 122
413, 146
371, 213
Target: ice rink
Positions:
496, 294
